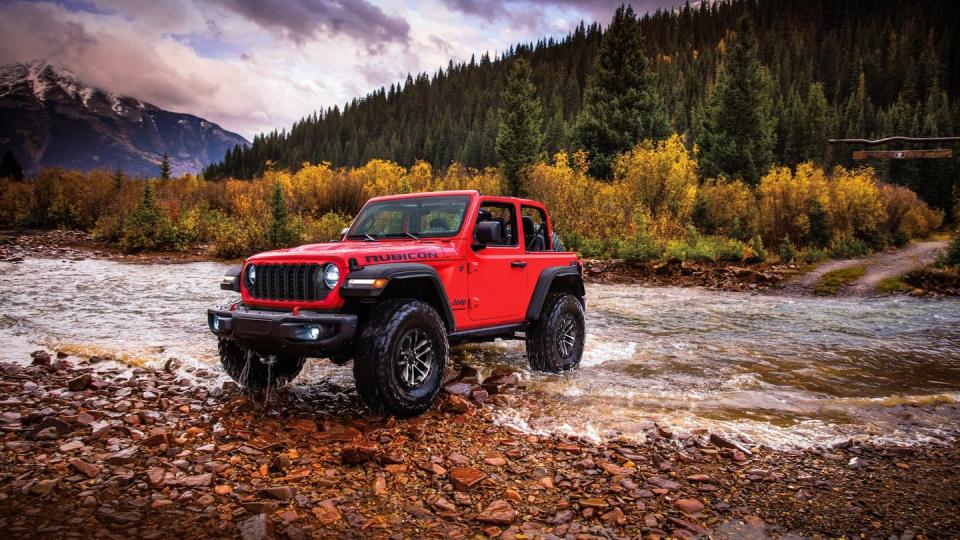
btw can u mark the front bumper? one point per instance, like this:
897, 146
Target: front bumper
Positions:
307, 333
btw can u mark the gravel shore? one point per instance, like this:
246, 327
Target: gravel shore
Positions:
95, 448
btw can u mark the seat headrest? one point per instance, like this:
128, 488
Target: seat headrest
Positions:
529, 227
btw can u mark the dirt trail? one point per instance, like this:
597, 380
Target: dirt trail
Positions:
880, 266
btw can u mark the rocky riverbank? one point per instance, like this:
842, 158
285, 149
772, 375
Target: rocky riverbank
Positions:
92, 447
69, 244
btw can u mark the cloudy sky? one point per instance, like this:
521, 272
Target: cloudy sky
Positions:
253, 66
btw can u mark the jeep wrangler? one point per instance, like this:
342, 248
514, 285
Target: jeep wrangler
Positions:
412, 275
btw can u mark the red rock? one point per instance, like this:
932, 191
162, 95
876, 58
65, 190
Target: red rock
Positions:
87, 469
663, 483
80, 383
615, 470
199, 480
499, 512
495, 461
441, 504
698, 478
594, 502
380, 486
282, 493
258, 527
688, 506
464, 478
570, 448
359, 451
458, 405
303, 424
457, 389
155, 475
480, 396
261, 507
156, 438
223, 489
615, 516
327, 513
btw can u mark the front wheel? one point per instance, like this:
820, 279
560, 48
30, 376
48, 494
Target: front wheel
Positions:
401, 357
555, 340
252, 370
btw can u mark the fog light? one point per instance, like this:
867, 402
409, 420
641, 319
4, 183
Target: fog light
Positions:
313, 332
215, 323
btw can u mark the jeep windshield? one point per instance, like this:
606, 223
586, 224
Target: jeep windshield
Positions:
415, 217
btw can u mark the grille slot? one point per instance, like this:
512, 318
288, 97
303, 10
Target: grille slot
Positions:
288, 282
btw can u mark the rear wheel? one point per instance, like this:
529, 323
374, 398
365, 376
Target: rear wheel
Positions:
401, 357
555, 340
255, 371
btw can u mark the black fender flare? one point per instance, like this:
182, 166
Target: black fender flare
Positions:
395, 272
569, 275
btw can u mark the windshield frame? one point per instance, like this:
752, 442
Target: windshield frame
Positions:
352, 234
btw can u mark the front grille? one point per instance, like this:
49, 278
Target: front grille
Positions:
288, 282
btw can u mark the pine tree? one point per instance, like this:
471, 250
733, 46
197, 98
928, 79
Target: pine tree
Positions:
280, 232
118, 179
520, 136
165, 167
737, 136
620, 105
815, 129
10, 167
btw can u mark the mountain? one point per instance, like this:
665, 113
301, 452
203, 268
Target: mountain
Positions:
48, 118
884, 67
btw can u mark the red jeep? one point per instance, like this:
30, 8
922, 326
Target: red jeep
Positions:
413, 274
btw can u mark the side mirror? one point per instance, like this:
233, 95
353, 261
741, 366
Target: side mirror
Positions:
488, 232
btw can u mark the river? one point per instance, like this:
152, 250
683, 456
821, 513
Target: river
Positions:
783, 371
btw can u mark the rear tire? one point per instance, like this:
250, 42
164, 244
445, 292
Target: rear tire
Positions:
555, 340
401, 357
247, 369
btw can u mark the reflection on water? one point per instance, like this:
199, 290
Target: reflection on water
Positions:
777, 370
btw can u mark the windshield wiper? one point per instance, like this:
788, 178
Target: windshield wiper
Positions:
411, 235
368, 237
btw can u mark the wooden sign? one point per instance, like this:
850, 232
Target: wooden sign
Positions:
936, 153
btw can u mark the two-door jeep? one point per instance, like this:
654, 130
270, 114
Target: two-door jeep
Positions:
413, 274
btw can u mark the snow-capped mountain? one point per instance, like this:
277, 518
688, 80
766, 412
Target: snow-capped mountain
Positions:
48, 118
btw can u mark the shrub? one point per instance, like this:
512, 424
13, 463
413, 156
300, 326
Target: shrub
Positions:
813, 255
325, 228
146, 227
905, 215
854, 205
661, 179
727, 208
784, 198
845, 247
787, 251
641, 246
951, 257
757, 253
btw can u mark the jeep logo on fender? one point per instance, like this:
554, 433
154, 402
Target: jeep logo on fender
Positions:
417, 256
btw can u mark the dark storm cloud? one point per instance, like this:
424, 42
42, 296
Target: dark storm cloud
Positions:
300, 20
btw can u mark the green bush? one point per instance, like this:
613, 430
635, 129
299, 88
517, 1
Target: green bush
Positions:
146, 227
813, 255
950, 257
787, 251
849, 247
757, 253
705, 249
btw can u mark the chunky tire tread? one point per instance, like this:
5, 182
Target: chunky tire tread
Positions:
373, 365
233, 358
542, 352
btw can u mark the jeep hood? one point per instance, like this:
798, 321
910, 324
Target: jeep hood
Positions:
365, 253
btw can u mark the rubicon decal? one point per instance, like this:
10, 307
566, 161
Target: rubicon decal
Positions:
415, 256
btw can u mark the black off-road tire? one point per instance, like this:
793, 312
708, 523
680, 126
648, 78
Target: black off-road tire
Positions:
378, 365
246, 369
545, 346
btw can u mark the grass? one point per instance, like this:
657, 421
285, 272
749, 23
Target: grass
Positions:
893, 285
831, 282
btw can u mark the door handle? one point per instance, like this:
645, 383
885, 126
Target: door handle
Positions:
518, 264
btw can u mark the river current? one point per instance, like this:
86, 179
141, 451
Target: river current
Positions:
777, 370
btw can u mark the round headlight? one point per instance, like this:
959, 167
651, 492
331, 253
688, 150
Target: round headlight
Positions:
331, 275
252, 274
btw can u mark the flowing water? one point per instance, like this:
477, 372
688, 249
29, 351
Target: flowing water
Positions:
775, 370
